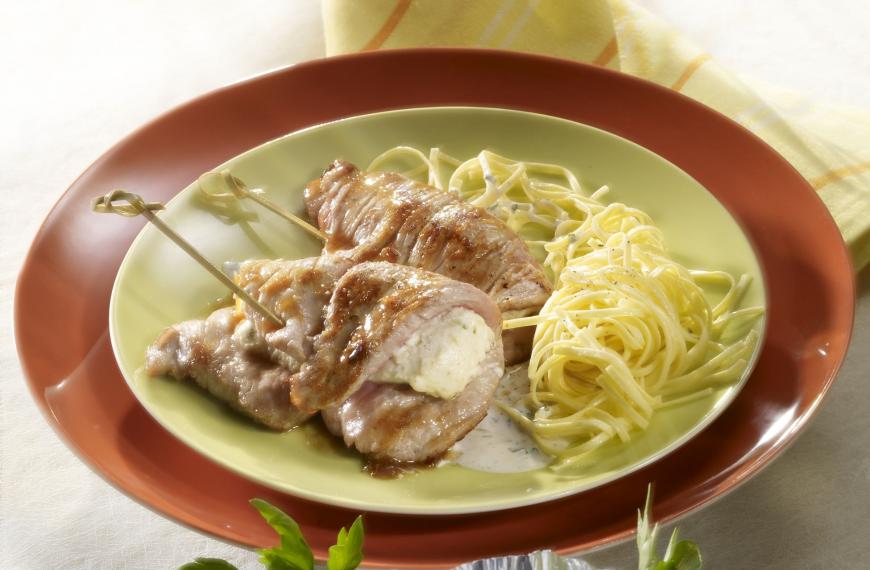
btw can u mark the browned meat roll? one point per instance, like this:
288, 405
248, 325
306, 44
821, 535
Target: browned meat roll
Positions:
407, 363
214, 353
391, 423
385, 216
403, 362
397, 324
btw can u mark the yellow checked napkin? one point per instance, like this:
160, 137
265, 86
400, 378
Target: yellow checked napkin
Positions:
829, 145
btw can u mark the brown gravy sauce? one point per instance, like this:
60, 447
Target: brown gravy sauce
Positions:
390, 469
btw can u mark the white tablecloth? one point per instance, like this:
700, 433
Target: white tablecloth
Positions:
77, 76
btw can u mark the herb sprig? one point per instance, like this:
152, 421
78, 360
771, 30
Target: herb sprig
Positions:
293, 552
679, 555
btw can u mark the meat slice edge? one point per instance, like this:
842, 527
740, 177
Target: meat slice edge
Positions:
210, 353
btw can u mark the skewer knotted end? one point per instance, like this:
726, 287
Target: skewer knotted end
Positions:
210, 181
135, 204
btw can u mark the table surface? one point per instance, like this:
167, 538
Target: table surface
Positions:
79, 76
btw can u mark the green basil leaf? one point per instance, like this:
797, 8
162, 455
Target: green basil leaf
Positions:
273, 561
686, 556
293, 553
346, 554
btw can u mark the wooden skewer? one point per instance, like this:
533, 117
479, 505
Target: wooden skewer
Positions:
240, 190
137, 206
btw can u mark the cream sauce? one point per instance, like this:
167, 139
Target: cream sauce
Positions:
497, 444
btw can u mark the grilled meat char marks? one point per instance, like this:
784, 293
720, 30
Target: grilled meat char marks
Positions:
211, 353
375, 308
296, 291
244, 359
385, 216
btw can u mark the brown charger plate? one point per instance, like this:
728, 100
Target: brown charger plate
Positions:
63, 293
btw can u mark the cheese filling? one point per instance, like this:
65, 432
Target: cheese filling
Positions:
441, 358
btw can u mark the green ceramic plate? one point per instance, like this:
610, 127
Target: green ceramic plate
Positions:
157, 285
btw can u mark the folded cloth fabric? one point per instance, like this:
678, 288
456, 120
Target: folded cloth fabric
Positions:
829, 145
